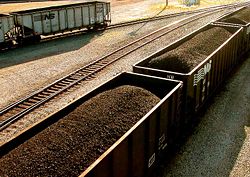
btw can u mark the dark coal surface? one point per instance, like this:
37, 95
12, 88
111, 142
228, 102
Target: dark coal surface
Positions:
70, 145
188, 55
242, 17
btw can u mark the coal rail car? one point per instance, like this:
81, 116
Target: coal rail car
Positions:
239, 18
202, 80
135, 153
29, 25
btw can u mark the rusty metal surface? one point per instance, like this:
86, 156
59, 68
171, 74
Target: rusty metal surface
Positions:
200, 83
137, 151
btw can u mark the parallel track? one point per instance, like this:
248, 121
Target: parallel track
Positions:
134, 22
157, 17
15, 111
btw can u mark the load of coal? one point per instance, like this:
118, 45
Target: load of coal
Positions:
242, 17
69, 146
189, 54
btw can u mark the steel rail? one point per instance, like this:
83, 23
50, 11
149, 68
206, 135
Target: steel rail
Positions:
138, 21
46, 38
123, 24
18, 109
160, 17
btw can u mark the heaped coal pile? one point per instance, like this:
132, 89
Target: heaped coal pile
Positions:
70, 145
192, 52
242, 17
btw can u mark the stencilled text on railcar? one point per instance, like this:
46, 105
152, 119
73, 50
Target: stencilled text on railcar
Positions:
202, 72
44, 17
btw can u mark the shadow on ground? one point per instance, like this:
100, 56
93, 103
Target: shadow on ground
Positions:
49, 48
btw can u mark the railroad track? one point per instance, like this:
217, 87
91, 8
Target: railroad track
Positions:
145, 20
133, 22
46, 38
15, 111
123, 24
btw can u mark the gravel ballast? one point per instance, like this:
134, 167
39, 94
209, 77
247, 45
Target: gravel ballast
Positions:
70, 145
188, 55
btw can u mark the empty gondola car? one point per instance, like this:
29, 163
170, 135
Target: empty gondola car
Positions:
33, 23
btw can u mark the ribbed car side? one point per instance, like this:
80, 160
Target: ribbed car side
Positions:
27, 26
